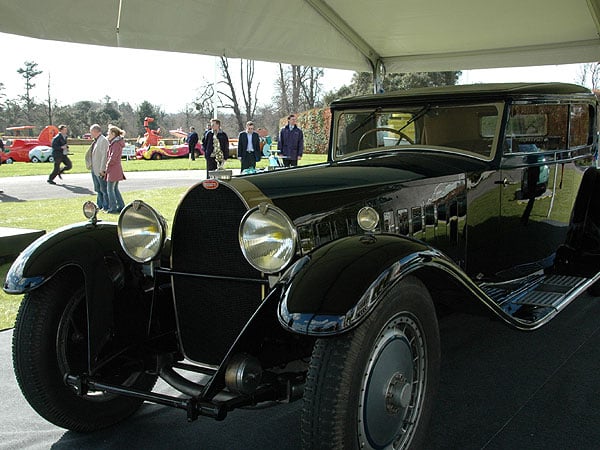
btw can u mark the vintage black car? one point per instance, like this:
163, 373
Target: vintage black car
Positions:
323, 282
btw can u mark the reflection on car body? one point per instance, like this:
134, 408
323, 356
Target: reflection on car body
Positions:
323, 282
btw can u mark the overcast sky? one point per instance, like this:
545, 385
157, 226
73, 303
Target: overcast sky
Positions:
171, 80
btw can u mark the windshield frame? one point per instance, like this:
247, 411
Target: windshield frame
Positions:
419, 109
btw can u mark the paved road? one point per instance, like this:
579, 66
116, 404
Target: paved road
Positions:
499, 389
35, 187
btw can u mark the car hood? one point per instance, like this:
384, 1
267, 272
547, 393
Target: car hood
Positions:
311, 189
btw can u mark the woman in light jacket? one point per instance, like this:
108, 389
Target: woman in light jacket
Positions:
114, 170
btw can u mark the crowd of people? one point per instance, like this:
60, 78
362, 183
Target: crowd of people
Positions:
252, 145
103, 157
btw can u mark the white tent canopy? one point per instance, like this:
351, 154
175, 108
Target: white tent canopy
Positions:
403, 35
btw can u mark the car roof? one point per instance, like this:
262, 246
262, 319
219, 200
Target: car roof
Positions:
491, 91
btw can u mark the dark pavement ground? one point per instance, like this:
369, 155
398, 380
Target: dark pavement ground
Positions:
500, 389
35, 187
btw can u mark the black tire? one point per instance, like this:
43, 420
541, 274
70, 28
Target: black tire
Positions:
357, 396
156, 156
35, 159
49, 340
50, 159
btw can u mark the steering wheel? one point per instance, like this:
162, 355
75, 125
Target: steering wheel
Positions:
391, 130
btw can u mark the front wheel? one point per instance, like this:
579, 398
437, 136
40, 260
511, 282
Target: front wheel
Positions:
50, 341
373, 387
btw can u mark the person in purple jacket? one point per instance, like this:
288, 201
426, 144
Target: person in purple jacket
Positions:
291, 142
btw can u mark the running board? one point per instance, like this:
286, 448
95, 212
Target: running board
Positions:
535, 299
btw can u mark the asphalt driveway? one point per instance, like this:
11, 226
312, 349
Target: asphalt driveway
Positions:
500, 389
35, 187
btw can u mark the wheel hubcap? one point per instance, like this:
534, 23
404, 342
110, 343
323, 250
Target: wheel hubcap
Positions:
393, 385
398, 394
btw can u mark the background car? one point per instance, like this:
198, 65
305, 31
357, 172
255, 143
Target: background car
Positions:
155, 152
41, 153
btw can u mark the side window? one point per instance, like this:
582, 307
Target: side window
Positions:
403, 222
580, 125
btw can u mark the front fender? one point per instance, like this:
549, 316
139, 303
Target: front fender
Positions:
86, 247
336, 287
82, 244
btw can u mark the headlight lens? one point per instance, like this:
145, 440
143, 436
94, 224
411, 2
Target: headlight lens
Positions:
268, 238
90, 210
367, 218
142, 231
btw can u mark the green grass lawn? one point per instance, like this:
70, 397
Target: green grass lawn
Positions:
51, 214
133, 165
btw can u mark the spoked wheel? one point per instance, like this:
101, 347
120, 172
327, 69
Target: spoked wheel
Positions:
373, 387
50, 341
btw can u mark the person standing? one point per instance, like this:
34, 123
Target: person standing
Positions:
249, 147
211, 153
114, 170
1, 151
60, 149
95, 161
192, 140
291, 142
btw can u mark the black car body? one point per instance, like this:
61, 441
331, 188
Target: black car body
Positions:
323, 282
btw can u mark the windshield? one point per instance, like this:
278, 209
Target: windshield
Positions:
463, 127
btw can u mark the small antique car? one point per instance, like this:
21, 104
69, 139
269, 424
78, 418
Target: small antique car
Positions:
323, 282
41, 153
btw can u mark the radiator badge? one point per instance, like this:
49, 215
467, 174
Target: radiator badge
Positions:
210, 184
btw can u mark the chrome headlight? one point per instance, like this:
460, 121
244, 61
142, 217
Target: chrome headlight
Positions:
268, 238
142, 231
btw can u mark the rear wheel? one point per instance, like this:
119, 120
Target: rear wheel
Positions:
374, 386
49, 341
35, 159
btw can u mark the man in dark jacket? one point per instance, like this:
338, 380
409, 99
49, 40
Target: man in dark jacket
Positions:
291, 142
192, 140
249, 147
210, 153
59, 153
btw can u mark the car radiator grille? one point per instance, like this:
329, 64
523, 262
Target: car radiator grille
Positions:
211, 312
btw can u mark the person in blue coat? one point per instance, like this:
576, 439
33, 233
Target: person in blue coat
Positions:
291, 142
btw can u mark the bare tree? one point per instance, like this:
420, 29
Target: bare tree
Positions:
49, 103
298, 88
591, 72
249, 92
204, 101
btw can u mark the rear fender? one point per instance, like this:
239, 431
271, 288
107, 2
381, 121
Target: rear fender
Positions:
336, 287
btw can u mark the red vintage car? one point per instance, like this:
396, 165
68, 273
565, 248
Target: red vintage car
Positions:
161, 151
18, 150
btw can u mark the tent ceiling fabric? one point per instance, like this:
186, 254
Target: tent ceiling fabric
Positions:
407, 35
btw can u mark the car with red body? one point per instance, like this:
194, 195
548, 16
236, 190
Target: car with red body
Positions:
18, 150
